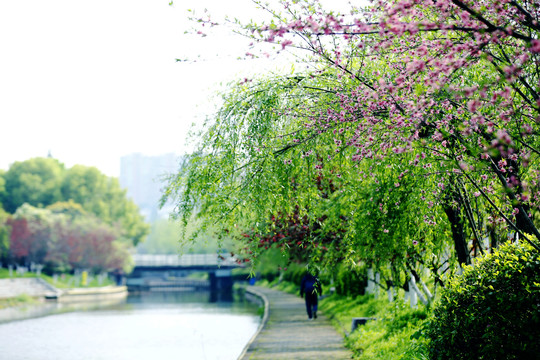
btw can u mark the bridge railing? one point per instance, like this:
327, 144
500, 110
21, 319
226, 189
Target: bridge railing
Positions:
186, 260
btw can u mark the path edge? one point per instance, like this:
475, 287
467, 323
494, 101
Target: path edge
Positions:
264, 319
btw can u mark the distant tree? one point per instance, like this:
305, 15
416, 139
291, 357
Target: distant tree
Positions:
31, 231
4, 237
64, 238
164, 238
102, 196
69, 208
171, 237
2, 188
20, 237
90, 244
41, 182
35, 181
4, 230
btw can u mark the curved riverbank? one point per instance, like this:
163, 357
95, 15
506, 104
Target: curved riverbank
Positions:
92, 294
266, 305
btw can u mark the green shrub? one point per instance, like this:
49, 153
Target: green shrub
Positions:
492, 311
393, 336
351, 282
294, 273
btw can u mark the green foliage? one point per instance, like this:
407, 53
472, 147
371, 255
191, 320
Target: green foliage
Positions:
269, 265
163, 238
171, 237
255, 162
492, 311
17, 301
36, 181
4, 236
263, 176
351, 282
391, 336
45, 182
2, 189
293, 273
69, 208
102, 196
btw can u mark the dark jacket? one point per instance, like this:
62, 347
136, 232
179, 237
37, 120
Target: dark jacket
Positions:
310, 285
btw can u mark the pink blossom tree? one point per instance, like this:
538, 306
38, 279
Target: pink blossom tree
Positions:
442, 94
454, 79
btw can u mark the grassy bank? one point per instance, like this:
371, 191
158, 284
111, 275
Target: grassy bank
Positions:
395, 335
17, 301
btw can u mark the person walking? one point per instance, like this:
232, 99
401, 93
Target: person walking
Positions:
310, 289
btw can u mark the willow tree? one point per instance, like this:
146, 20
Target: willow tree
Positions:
263, 175
456, 78
442, 92
463, 86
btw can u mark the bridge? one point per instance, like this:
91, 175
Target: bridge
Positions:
170, 273
191, 262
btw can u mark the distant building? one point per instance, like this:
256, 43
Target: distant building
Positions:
143, 177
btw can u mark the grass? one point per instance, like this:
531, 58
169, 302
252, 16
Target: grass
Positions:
17, 301
393, 335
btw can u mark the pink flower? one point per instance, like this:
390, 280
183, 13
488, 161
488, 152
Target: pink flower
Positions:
473, 105
535, 46
285, 43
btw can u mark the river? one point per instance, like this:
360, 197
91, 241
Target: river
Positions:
155, 326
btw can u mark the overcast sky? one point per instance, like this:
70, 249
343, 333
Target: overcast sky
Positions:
91, 81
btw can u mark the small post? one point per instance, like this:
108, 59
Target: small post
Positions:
358, 321
412, 295
390, 290
84, 278
38, 269
370, 288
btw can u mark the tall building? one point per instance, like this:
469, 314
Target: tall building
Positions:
143, 177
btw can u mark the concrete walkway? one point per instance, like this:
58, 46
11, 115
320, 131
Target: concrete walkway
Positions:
286, 333
35, 287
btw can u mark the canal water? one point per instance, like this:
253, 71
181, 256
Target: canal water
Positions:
153, 326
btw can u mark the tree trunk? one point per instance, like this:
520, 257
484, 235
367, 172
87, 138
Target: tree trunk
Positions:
458, 234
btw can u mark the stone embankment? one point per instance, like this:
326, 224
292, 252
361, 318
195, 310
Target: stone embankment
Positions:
286, 333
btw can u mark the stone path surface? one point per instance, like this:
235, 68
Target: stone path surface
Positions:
288, 334
29, 286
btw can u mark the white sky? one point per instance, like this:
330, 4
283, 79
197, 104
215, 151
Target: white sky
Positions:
91, 81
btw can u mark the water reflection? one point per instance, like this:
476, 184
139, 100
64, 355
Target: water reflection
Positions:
145, 326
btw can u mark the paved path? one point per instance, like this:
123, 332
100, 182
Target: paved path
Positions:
30, 286
288, 334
